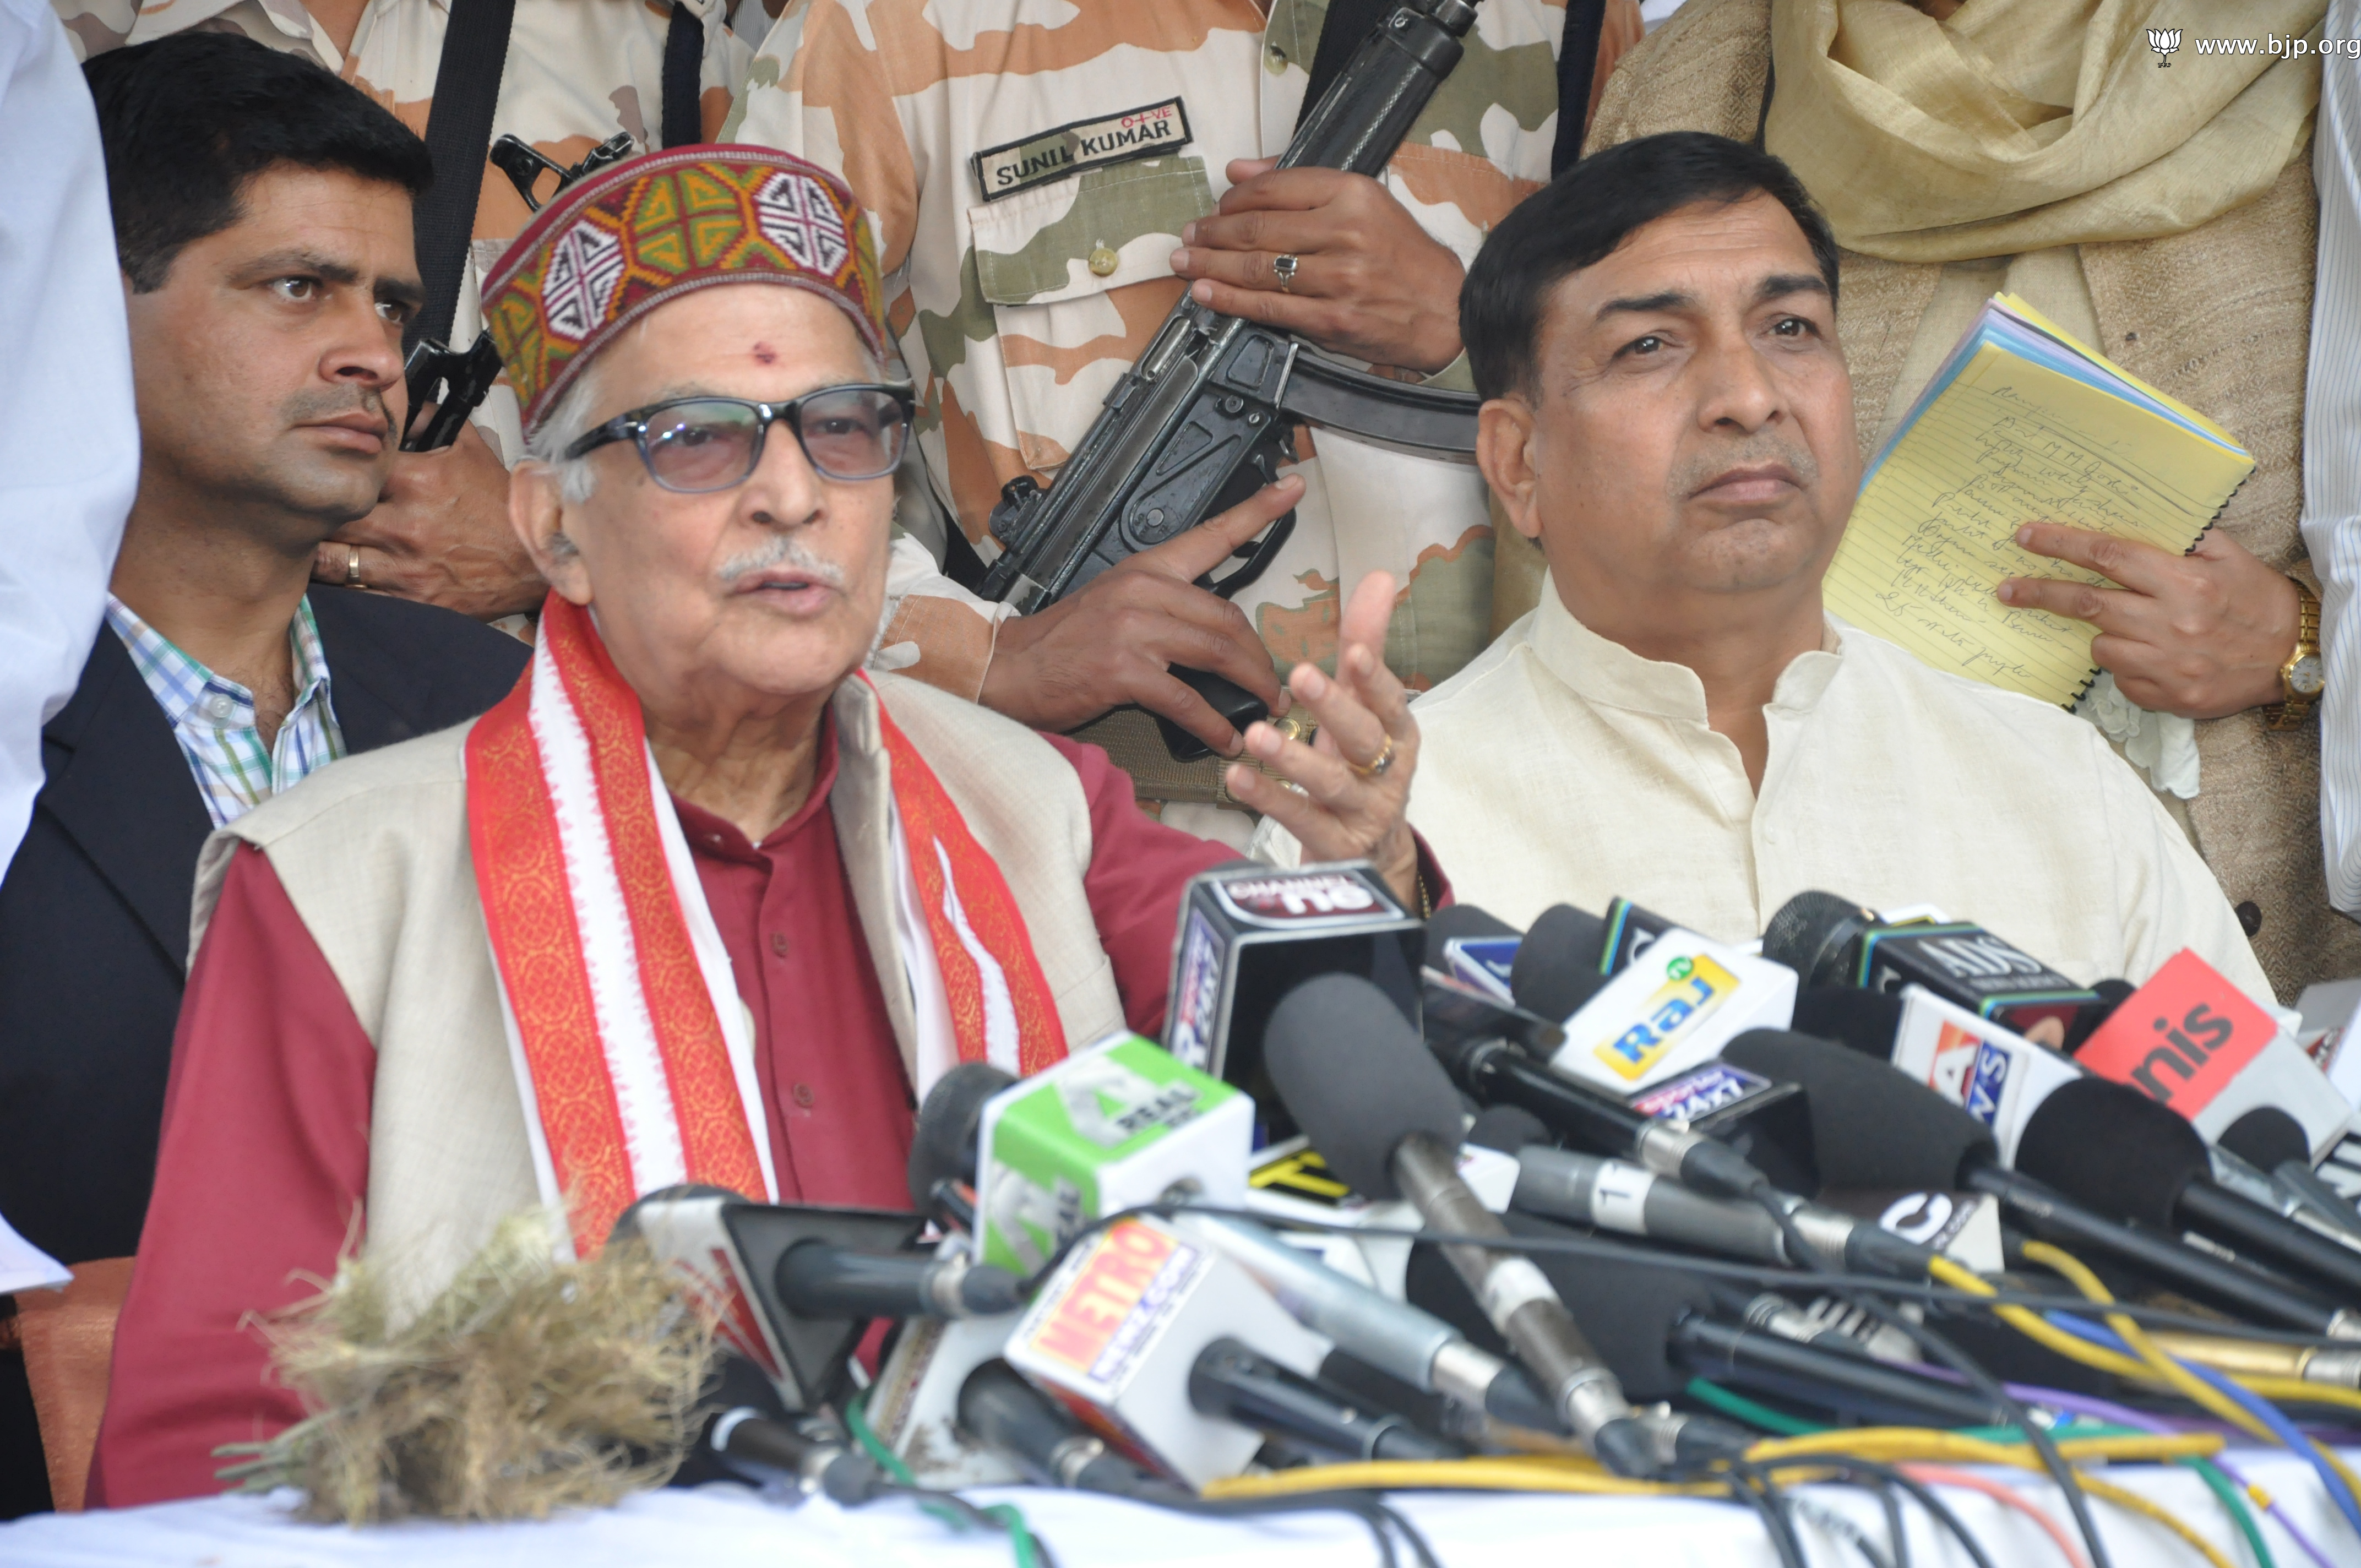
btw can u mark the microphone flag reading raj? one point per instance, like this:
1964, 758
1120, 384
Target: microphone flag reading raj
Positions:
2021, 425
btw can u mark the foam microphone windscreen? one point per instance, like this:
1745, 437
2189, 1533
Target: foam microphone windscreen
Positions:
2267, 1138
1872, 1127
1356, 1078
1556, 967
1506, 1128
1462, 923
942, 1144
1626, 1308
1865, 1021
2111, 994
2109, 1147
1809, 933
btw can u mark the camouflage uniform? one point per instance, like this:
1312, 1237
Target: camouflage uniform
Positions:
578, 72
1017, 313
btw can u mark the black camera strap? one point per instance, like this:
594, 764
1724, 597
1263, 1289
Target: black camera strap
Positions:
1577, 63
458, 132
683, 70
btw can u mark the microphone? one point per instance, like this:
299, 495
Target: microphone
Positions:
1383, 1116
1626, 931
775, 1455
950, 1120
821, 1279
1493, 1073
2191, 1040
1454, 1009
1556, 969
1391, 1336
1658, 1325
1236, 1383
1874, 1128
2134, 1159
1670, 1012
1048, 1445
1117, 1329
1474, 947
731, 1252
1559, 1184
1833, 941
1248, 932
1119, 1125
2013, 1085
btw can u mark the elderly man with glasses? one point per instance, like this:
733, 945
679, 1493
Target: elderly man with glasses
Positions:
700, 901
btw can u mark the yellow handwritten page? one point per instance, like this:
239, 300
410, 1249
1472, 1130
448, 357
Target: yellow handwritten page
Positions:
2008, 442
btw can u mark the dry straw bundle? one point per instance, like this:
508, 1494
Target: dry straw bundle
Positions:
527, 1385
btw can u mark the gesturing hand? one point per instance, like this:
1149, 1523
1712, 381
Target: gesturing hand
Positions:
1369, 282
1352, 783
1115, 640
2200, 635
440, 535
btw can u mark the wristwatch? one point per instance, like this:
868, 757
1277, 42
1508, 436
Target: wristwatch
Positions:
2301, 678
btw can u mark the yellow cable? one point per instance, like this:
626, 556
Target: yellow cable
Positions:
2033, 1327
2187, 1383
2302, 1390
2139, 1505
1503, 1473
1894, 1444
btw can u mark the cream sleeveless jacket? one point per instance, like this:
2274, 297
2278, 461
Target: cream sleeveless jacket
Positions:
373, 853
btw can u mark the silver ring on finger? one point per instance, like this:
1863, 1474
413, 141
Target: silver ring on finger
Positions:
1283, 268
352, 569
1376, 767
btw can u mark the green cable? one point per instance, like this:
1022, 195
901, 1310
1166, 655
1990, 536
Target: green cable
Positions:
2227, 1490
1747, 1411
1020, 1533
856, 1422
2220, 1485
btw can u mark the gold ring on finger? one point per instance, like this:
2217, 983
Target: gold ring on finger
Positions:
1283, 268
1375, 768
352, 568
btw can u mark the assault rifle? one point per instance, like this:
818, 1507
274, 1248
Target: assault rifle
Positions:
1209, 411
456, 382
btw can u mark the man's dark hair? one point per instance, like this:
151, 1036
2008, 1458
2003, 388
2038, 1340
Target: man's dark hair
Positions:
1580, 219
188, 120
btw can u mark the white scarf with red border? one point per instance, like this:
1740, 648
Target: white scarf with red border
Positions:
634, 1056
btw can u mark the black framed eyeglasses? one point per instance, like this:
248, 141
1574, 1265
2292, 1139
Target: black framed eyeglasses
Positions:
697, 445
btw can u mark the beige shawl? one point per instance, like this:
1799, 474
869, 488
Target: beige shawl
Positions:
2018, 124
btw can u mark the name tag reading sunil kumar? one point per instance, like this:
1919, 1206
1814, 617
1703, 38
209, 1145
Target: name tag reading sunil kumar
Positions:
1150, 131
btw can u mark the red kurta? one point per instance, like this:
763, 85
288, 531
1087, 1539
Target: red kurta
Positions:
264, 1159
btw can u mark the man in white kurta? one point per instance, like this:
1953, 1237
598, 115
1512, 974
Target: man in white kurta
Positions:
1680, 722
1562, 768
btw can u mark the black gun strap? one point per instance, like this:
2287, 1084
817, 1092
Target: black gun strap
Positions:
458, 132
683, 71
1349, 21
1577, 62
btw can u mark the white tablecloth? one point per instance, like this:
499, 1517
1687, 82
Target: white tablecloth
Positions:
718, 1527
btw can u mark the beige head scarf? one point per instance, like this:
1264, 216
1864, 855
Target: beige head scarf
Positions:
2019, 125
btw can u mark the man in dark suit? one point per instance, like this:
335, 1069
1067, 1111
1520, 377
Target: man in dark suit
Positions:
262, 216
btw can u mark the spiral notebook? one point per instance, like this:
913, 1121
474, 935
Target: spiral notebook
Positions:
2021, 425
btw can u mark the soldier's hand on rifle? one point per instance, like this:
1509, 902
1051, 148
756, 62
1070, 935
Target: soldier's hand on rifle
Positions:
1369, 282
1114, 641
440, 535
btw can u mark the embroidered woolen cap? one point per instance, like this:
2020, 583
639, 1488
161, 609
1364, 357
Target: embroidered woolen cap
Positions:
623, 241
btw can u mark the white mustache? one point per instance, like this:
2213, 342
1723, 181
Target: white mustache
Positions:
784, 550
